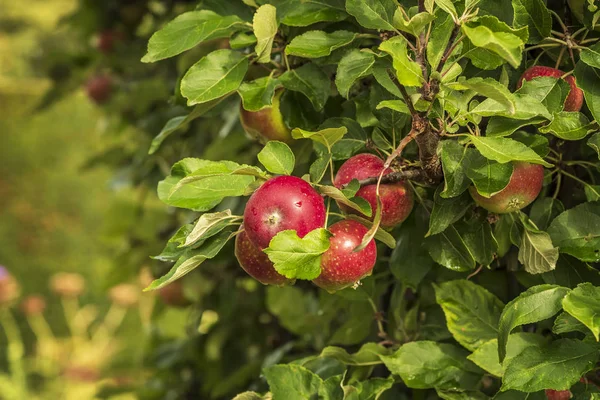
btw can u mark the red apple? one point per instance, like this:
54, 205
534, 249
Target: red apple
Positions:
396, 198
340, 265
574, 100
173, 295
108, 39
524, 186
99, 88
266, 124
256, 263
558, 394
282, 203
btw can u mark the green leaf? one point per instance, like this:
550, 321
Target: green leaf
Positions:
506, 45
426, 364
450, 250
487, 87
241, 40
502, 126
350, 144
570, 272
544, 210
292, 382
298, 258
588, 79
566, 323
448, 7
557, 366
537, 254
568, 126
356, 203
457, 394
551, 92
455, 160
192, 258
277, 157
209, 225
447, 211
440, 35
215, 75
309, 80
319, 167
173, 250
591, 56
486, 356
295, 13
354, 65
505, 150
527, 107
533, 305
472, 313
327, 137
488, 176
258, 94
373, 14
408, 72
583, 303
478, 236
594, 143
315, 44
415, 25
577, 232
249, 396
264, 24
367, 390
188, 30
368, 355
537, 143
535, 15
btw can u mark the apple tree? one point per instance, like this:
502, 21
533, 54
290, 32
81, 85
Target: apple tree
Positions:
416, 190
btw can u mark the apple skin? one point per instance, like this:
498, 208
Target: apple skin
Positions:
173, 295
524, 186
256, 262
282, 203
558, 394
574, 100
108, 39
396, 198
340, 266
266, 124
99, 88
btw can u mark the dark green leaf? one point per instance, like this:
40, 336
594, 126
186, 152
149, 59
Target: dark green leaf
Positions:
488, 176
503, 126
309, 80
447, 211
504, 150
566, 323
591, 56
440, 35
450, 250
570, 272
373, 14
367, 390
594, 143
368, 354
588, 79
568, 126
544, 210
537, 143
535, 15
296, 13
455, 160
537, 254
577, 232
354, 65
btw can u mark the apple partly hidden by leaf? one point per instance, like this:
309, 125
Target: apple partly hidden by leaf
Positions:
340, 265
173, 294
396, 198
558, 394
574, 100
524, 186
282, 203
266, 124
256, 262
99, 88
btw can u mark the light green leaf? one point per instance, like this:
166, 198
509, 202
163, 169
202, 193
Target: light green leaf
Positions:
315, 44
487, 87
209, 225
354, 65
505, 150
415, 25
488, 176
368, 355
447, 6
551, 92
535, 15
298, 258
370, 389
408, 72
356, 203
591, 56
594, 143
241, 40
472, 313
426, 364
295, 13
277, 157
249, 396
309, 80
292, 382
327, 137
577, 232
557, 366
583, 303
533, 305
188, 30
215, 75
527, 107
566, 323
486, 356
258, 94
568, 126
265, 29
396, 105
440, 35
373, 14
506, 45
537, 254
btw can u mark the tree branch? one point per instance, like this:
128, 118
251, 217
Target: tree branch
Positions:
394, 177
404, 93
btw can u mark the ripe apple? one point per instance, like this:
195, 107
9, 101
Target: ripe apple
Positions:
99, 88
558, 394
574, 100
340, 265
173, 295
282, 203
524, 186
396, 198
256, 263
107, 40
266, 124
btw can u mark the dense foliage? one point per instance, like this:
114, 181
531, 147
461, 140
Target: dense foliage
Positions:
480, 192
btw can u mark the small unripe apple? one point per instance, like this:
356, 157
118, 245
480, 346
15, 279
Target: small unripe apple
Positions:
173, 295
558, 394
574, 100
396, 198
99, 89
524, 186
340, 265
282, 203
266, 124
256, 263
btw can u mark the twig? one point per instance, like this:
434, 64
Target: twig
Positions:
449, 48
393, 177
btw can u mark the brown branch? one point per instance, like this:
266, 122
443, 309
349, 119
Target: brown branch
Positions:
449, 48
421, 6
404, 93
394, 177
